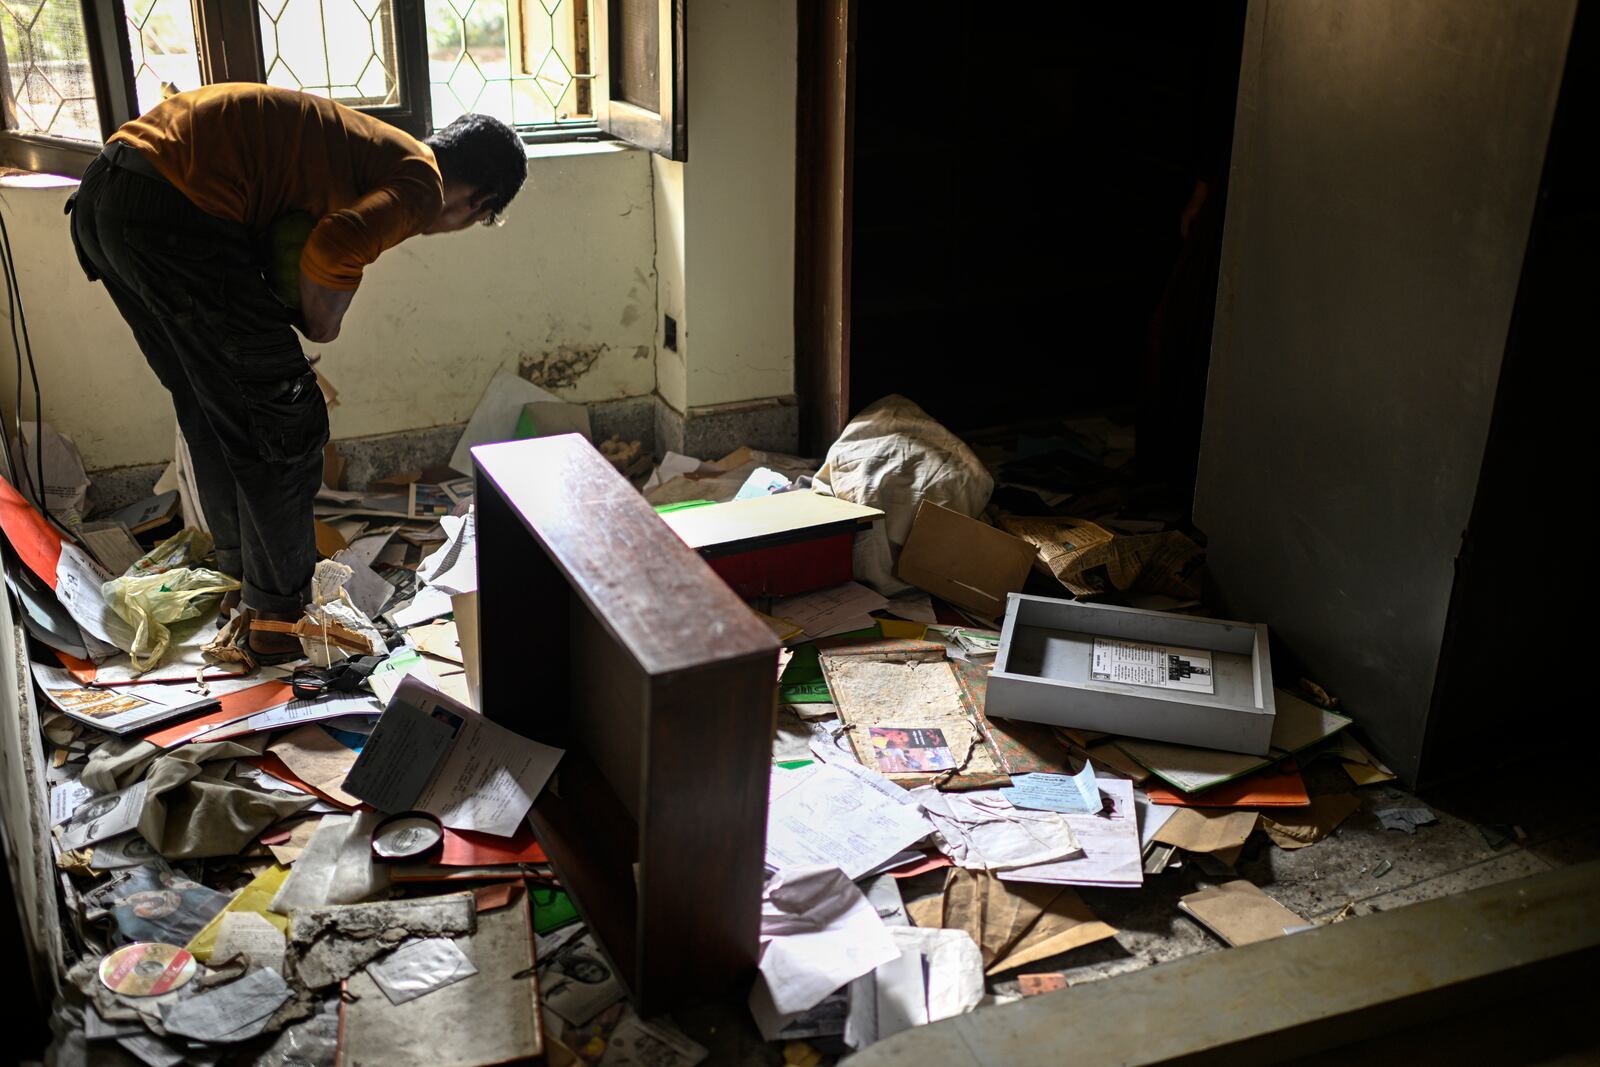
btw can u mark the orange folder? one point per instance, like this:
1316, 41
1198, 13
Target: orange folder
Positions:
1275, 787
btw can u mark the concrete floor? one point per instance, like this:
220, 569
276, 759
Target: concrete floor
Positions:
1559, 826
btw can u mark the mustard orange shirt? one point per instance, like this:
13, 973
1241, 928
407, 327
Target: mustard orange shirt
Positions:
252, 154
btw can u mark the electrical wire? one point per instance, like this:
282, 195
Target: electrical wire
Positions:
22, 344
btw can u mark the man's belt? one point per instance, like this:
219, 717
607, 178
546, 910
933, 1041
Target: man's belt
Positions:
128, 158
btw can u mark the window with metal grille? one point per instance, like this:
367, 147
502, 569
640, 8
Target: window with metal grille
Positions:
46, 70
72, 72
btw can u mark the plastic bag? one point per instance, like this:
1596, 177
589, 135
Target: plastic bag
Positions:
893, 456
186, 547
150, 602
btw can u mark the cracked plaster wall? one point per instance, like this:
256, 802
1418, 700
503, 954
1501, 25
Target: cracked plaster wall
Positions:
566, 291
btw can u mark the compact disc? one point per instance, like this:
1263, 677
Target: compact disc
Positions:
146, 969
405, 837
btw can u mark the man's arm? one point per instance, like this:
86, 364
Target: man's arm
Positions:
343, 242
322, 309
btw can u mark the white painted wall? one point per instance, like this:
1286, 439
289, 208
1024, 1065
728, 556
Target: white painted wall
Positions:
672, 372
725, 218
571, 272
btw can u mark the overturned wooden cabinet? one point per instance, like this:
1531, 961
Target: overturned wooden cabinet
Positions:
604, 634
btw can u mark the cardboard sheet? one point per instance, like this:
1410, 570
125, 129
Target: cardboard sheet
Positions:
1239, 913
1300, 827
1209, 832
964, 561
1015, 924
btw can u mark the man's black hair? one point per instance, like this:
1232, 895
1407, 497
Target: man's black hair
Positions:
485, 154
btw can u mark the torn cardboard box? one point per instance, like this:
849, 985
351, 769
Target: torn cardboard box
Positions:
969, 563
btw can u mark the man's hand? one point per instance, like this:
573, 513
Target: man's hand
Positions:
322, 309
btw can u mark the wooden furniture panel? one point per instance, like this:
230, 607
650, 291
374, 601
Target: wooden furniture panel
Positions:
601, 632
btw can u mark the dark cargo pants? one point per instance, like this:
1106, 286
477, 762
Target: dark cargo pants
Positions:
190, 286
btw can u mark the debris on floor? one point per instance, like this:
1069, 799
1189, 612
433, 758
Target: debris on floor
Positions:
330, 857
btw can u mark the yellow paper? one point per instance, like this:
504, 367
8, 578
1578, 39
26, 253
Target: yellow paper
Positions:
782, 629
254, 897
1365, 774
914, 631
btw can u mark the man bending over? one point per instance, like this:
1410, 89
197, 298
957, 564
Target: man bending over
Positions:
174, 217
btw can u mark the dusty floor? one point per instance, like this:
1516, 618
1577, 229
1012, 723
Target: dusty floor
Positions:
1451, 856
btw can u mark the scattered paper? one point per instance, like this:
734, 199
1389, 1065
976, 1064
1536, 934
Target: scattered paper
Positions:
254, 899
40, 446
367, 590
78, 582
953, 966
335, 867
104, 817
825, 816
1407, 819
234, 1012
453, 568
1067, 793
294, 841
1152, 817
915, 606
1296, 725
983, 830
249, 933
1240, 913
65, 799
1032, 985
318, 760
128, 850
429, 603
112, 546
636, 1043
1112, 852
439, 639
1361, 765
367, 547
123, 709
397, 668
1298, 827
150, 1049
575, 980
430, 753
495, 417
294, 713
818, 931
420, 966
831, 611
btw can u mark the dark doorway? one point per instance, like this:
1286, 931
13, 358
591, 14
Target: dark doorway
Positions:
1018, 193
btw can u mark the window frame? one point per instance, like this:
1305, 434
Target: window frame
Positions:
111, 69
664, 131
229, 48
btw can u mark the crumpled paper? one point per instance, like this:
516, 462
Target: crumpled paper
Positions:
984, 831
331, 604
